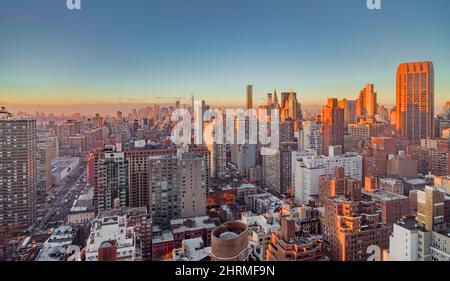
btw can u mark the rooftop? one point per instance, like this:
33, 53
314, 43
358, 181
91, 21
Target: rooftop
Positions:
189, 224
192, 250
408, 223
54, 248
415, 181
384, 195
161, 236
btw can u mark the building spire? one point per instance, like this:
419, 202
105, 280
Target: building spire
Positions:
275, 99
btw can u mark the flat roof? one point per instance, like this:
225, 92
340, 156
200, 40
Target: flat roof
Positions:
181, 225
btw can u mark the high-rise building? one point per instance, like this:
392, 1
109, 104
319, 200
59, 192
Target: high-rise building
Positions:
118, 115
275, 103
269, 100
110, 169
93, 137
441, 124
97, 121
433, 156
18, 171
307, 167
246, 157
332, 125
366, 104
139, 166
369, 128
192, 171
165, 187
352, 227
138, 162
277, 169
349, 107
218, 159
249, 96
47, 151
243, 154
216, 145
178, 186
310, 137
290, 107
415, 100
430, 209
64, 131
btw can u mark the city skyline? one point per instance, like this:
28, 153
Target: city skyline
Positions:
209, 131
270, 45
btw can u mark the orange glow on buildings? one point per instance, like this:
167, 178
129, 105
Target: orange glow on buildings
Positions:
415, 100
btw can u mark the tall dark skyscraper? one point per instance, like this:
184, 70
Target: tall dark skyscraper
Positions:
249, 96
18, 171
415, 100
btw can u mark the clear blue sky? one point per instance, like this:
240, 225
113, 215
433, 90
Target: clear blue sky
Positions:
136, 50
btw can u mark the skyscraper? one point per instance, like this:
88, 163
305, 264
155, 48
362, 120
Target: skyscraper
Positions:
165, 195
275, 103
269, 99
310, 136
332, 125
352, 226
218, 151
277, 173
366, 104
249, 96
415, 100
218, 159
349, 107
47, 151
290, 107
18, 171
140, 168
193, 185
111, 188
97, 121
